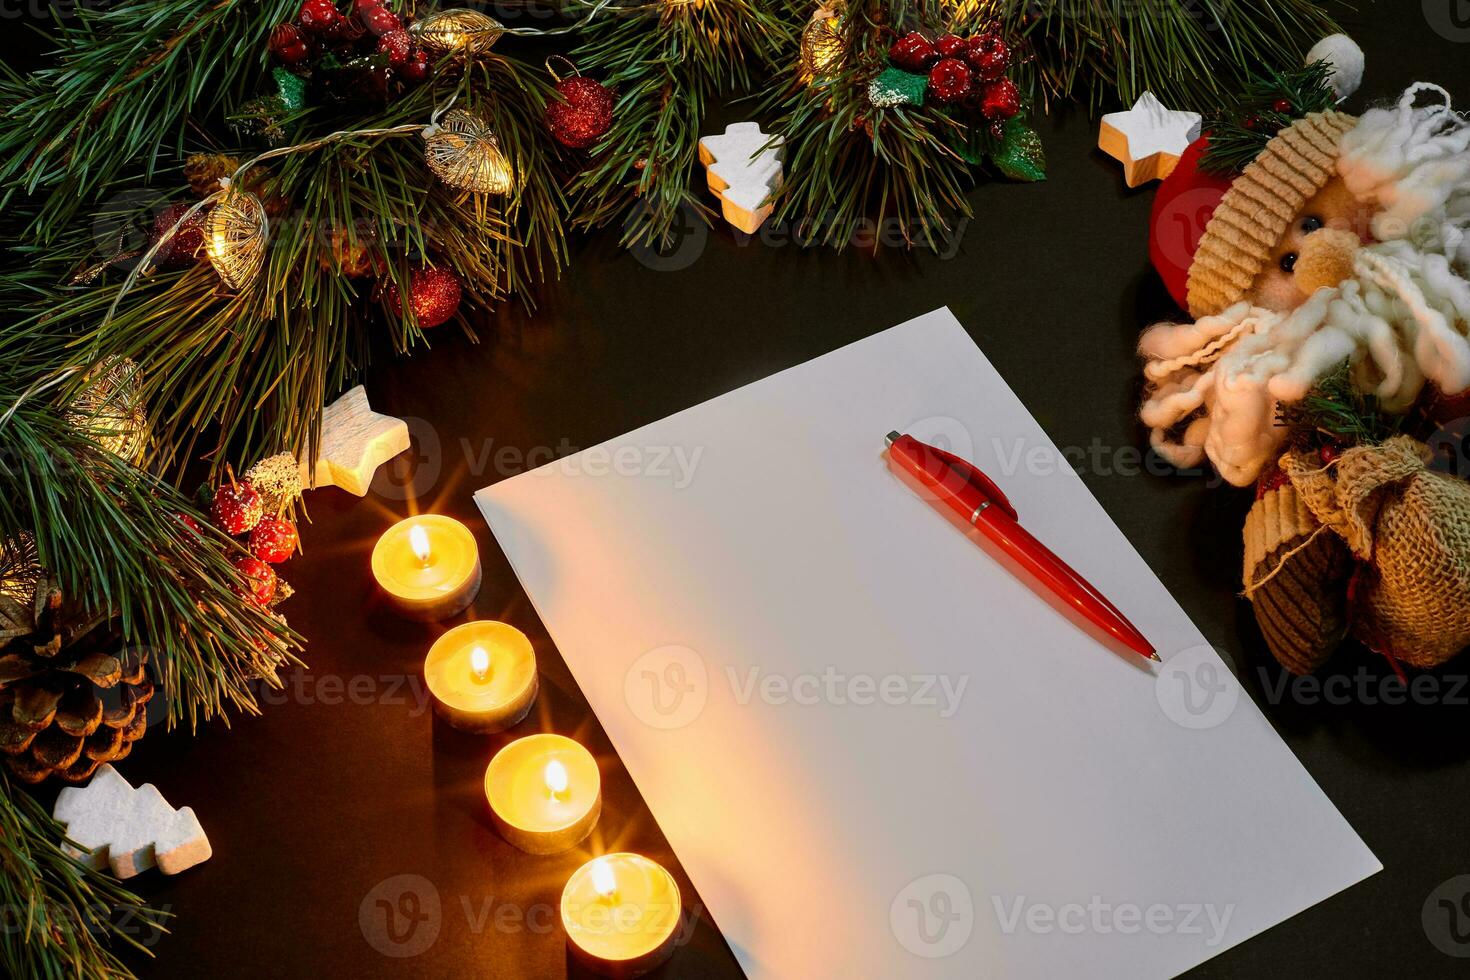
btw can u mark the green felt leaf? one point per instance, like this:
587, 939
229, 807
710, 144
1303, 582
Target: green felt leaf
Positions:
291, 89
895, 87
1020, 156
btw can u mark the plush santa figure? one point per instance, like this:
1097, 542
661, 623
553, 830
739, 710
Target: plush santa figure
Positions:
1344, 241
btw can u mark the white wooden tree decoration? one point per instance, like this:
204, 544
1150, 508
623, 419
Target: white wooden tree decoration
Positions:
129, 830
1147, 139
742, 174
355, 442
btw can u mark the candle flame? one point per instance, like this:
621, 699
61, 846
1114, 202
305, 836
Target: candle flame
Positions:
556, 777
479, 662
603, 879
418, 540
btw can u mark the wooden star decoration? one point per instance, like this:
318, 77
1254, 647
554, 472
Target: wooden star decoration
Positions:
355, 441
1147, 139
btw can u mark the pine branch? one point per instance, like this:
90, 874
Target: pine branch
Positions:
667, 61
110, 534
1241, 131
60, 914
1338, 413
241, 376
125, 80
1192, 55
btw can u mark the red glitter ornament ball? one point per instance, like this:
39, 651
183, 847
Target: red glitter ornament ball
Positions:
183, 248
260, 579
273, 540
951, 46
319, 17
913, 52
989, 55
237, 507
288, 44
1001, 99
433, 295
582, 115
949, 80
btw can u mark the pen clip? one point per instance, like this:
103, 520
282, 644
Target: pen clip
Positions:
977, 479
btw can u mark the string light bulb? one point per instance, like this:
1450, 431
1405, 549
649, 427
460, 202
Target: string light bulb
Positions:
234, 237
822, 45
464, 153
457, 31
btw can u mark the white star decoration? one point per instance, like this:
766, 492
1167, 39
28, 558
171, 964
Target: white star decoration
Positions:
355, 442
1148, 139
741, 174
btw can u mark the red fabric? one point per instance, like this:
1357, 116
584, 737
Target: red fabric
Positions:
1182, 207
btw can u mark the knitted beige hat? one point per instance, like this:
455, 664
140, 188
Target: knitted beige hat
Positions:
1258, 208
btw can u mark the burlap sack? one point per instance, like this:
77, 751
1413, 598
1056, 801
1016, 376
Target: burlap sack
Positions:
1412, 529
1296, 576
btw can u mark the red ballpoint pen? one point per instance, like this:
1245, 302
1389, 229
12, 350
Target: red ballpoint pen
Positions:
960, 487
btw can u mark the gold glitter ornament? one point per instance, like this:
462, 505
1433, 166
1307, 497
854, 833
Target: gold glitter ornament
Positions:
464, 153
457, 31
234, 237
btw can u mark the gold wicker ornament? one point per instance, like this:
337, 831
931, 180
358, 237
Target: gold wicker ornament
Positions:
234, 237
457, 31
464, 153
822, 45
20, 570
111, 409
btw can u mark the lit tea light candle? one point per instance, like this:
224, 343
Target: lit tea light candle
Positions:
428, 566
482, 676
621, 913
545, 793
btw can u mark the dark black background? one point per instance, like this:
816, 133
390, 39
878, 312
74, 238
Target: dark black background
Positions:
312, 805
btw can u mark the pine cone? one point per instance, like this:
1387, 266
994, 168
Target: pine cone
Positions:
70, 698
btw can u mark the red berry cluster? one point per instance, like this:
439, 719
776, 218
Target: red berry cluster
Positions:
371, 40
966, 70
238, 509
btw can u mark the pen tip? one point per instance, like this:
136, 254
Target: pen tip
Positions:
1154, 657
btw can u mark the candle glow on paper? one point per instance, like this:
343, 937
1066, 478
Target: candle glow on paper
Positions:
428, 566
482, 676
545, 793
621, 913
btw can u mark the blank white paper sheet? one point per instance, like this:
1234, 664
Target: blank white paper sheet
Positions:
875, 752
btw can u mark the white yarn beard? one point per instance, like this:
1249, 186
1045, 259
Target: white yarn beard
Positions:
1401, 320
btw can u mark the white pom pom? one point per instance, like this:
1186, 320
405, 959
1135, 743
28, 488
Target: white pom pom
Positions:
1345, 58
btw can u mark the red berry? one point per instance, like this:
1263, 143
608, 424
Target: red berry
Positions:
951, 46
319, 17
1001, 99
273, 540
949, 80
989, 55
416, 68
190, 523
237, 507
380, 20
397, 45
913, 52
288, 44
183, 247
1282, 106
260, 579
